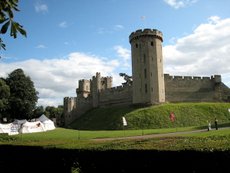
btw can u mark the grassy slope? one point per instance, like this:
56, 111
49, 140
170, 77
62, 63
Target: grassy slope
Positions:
67, 138
187, 114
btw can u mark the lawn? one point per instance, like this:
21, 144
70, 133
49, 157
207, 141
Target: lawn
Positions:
74, 139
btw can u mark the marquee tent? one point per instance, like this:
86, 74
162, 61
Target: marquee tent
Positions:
32, 127
10, 128
48, 124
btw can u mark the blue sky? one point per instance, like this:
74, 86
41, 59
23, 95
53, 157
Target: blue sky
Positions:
73, 39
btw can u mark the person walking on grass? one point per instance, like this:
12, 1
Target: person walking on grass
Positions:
216, 124
209, 126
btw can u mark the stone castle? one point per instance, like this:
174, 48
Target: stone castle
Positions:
149, 84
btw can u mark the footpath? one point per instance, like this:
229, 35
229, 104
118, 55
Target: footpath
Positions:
156, 135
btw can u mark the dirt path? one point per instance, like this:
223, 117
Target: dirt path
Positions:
154, 135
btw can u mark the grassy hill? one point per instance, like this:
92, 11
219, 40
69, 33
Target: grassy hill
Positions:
187, 114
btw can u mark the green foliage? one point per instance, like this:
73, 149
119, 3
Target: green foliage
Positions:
187, 114
38, 111
23, 96
7, 9
4, 98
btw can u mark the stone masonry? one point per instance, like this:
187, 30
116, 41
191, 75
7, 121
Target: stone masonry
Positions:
150, 85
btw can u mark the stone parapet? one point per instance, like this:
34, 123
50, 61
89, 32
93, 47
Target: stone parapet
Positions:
146, 32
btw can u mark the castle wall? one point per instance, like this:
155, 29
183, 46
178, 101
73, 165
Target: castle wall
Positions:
121, 95
74, 107
192, 88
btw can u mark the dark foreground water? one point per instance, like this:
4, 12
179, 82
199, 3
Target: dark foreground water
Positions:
36, 159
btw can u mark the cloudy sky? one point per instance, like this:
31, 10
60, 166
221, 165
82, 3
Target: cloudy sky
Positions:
73, 39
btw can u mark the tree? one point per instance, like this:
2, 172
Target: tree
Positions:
38, 111
23, 96
127, 78
4, 97
7, 9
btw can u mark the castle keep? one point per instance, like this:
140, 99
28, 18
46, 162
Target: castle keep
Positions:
149, 84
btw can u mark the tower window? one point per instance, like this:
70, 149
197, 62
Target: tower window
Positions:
145, 73
144, 58
136, 45
146, 88
151, 43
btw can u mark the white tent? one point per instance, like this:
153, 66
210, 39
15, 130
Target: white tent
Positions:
48, 124
32, 127
10, 128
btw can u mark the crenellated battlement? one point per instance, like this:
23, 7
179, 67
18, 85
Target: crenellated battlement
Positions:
146, 32
214, 78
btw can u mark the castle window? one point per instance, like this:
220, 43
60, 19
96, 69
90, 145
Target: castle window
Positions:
145, 73
144, 58
151, 43
136, 45
146, 88
152, 89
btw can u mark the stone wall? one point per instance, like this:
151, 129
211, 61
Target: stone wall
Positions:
121, 95
192, 88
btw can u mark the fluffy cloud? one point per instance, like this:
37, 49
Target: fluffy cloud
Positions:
180, 3
43, 8
63, 24
55, 79
204, 52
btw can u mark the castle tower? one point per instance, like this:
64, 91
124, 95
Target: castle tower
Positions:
147, 66
83, 89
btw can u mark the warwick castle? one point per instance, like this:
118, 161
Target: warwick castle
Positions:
149, 84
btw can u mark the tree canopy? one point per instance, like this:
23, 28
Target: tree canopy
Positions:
4, 96
7, 10
23, 96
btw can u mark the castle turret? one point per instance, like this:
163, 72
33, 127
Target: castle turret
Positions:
147, 66
83, 89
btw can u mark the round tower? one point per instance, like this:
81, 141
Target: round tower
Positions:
147, 66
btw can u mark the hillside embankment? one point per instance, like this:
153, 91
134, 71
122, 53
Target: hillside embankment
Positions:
153, 117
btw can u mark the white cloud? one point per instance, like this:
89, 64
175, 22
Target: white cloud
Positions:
124, 54
204, 52
180, 3
41, 46
118, 27
110, 30
55, 79
63, 24
43, 8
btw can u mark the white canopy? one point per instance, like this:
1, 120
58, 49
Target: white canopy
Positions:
10, 128
32, 127
48, 124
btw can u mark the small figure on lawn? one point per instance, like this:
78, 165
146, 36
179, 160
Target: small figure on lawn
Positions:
216, 124
209, 126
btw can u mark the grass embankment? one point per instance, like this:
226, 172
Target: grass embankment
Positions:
154, 117
74, 139
151, 120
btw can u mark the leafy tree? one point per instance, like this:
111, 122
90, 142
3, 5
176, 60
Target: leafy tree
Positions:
53, 112
38, 111
7, 9
23, 96
127, 78
4, 96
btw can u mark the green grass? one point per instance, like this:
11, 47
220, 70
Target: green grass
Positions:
73, 139
154, 117
107, 123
